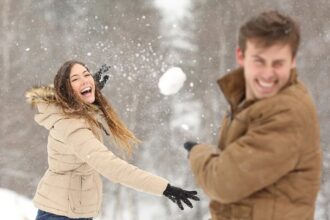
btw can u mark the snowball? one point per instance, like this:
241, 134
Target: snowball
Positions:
171, 81
185, 127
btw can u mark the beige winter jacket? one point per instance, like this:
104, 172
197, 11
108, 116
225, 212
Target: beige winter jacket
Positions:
268, 162
72, 185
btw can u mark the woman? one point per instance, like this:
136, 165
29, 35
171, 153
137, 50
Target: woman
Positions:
76, 113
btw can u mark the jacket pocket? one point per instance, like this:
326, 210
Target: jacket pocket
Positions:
75, 201
74, 195
230, 211
85, 199
263, 208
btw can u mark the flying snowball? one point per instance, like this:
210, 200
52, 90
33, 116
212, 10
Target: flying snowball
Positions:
185, 127
171, 81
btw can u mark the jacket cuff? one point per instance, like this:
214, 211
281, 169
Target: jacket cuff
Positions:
201, 149
200, 155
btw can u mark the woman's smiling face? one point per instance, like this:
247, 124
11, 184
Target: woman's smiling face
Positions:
82, 83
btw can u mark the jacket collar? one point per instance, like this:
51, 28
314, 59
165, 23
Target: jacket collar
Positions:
233, 86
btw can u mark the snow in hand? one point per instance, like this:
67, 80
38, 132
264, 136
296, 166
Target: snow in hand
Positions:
171, 81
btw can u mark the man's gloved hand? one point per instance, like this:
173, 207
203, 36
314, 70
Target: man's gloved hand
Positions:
189, 145
100, 77
178, 195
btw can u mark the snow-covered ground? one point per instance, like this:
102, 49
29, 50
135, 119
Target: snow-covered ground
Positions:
16, 207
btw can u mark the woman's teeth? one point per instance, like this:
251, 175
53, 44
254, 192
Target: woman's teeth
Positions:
86, 90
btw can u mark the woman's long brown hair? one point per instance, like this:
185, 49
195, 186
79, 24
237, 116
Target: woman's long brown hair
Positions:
73, 105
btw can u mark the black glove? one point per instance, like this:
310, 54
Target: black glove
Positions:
177, 195
99, 76
189, 145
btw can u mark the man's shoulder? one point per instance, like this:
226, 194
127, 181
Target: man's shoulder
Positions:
295, 100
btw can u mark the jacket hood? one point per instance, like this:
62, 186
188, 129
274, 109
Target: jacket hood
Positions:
43, 98
40, 94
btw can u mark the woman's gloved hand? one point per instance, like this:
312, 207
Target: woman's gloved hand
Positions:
100, 77
178, 195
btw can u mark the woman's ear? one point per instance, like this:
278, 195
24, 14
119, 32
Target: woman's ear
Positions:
294, 63
239, 56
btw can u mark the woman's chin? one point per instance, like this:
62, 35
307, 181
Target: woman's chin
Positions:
89, 100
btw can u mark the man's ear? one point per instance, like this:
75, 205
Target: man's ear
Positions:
239, 56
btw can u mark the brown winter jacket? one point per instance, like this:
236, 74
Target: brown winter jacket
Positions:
72, 185
268, 162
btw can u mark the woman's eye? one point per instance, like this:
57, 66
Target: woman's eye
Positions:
73, 80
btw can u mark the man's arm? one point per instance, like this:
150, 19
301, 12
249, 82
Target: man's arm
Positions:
267, 152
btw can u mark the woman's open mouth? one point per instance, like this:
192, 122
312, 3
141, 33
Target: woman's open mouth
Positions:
86, 91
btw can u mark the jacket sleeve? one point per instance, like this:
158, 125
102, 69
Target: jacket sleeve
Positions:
90, 150
267, 152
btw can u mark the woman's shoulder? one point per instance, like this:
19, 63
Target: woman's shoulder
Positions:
72, 123
68, 126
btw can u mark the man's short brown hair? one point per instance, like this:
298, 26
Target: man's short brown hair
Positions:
270, 28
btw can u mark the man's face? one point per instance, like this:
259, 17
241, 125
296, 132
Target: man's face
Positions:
266, 70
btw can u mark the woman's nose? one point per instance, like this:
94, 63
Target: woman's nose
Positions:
84, 81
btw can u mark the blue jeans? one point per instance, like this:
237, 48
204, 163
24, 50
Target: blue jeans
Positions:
42, 215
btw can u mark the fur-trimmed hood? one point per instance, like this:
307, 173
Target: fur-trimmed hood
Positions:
49, 111
43, 98
41, 94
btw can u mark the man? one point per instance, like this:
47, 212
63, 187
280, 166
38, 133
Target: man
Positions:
268, 162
